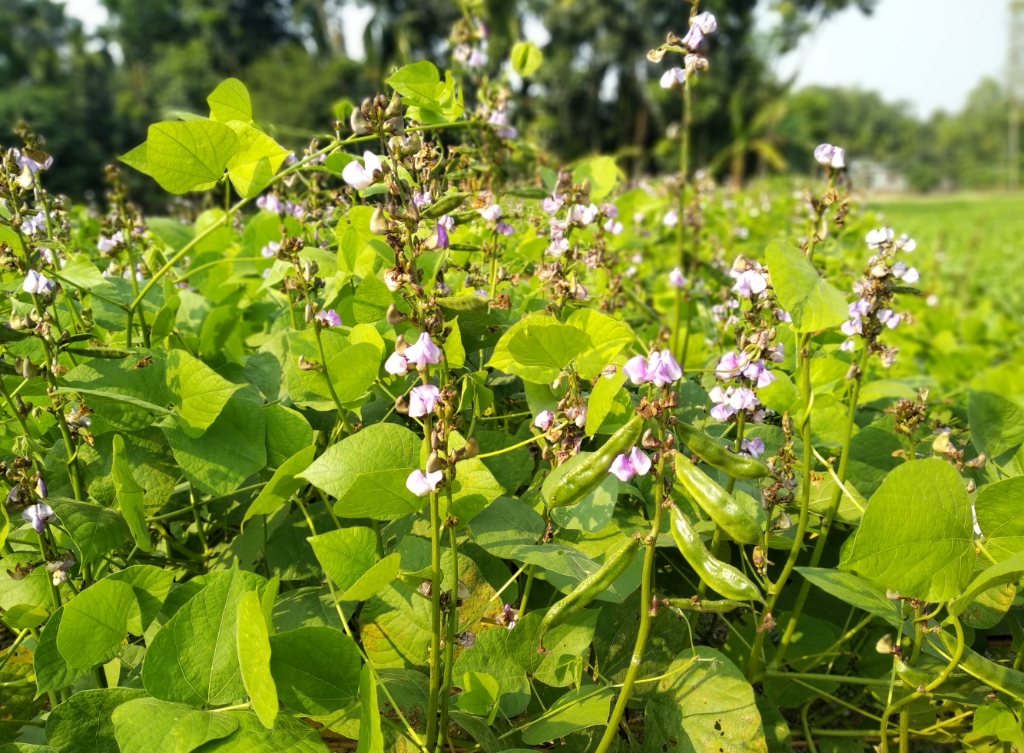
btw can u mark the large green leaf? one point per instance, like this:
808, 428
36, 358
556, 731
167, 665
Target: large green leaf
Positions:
256, 161
395, 627
282, 485
230, 451
184, 156
289, 734
1001, 516
488, 654
254, 658
94, 623
316, 669
194, 657
230, 101
94, 530
608, 337
83, 722
586, 706
996, 424
346, 553
52, 671
540, 353
380, 447
706, 701
916, 536
130, 496
151, 586
198, 392
381, 495
370, 738
854, 591
813, 303
506, 525
147, 725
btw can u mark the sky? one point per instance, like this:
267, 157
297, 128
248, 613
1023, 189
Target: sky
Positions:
906, 50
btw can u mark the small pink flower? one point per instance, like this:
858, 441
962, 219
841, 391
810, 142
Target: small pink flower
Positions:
422, 352
636, 370
544, 420
422, 399
676, 279
636, 463
361, 176
422, 484
396, 364
328, 318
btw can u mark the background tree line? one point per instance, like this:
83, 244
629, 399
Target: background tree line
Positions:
92, 95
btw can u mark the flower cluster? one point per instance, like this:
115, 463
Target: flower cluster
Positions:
660, 369
419, 354
634, 463
872, 312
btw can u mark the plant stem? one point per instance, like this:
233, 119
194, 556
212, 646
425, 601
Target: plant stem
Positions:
830, 516
646, 592
526, 591
805, 501
452, 628
435, 622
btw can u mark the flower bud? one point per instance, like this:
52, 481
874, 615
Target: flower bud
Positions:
655, 56
434, 463
309, 313
400, 345
378, 222
402, 404
469, 450
306, 365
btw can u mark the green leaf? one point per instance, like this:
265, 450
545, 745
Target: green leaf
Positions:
997, 425
813, 303
151, 586
289, 735
526, 58
256, 162
513, 467
1001, 517
705, 700
608, 337
374, 579
282, 485
137, 158
52, 671
506, 525
22, 616
94, 623
602, 400
198, 392
380, 447
594, 511
418, 83
82, 723
370, 738
540, 353
346, 554
479, 693
254, 658
184, 156
395, 627
586, 706
916, 536
1007, 571
316, 669
381, 495
490, 655
81, 273
94, 530
230, 101
194, 657
288, 432
854, 591
147, 725
130, 496
230, 451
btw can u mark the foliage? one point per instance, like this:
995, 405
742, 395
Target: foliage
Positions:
399, 451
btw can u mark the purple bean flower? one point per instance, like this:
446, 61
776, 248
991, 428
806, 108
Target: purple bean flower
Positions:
553, 203
659, 369
636, 463
676, 279
270, 202
439, 239
361, 176
901, 271
421, 484
38, 515
422, 198
270, 250
328, 318
544, 420
422, 352
671, 218
879, 237
830, 156
491, 213
422, 400
673, 77
36, 283
752, 447
504, 228
34, 224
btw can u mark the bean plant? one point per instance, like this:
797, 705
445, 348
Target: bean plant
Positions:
416, 440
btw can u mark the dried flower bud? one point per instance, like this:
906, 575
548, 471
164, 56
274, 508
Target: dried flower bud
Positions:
378, 222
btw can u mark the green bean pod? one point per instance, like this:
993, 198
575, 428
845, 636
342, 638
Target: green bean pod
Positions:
717, 456
720, 606
996, 676
444, 205
581, 479
724, 579
914, 677
743, 519
590, 587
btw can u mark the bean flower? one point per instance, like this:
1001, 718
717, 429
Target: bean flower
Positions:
422, 400
676, 279
361, 176
39, 515
419, 354
730, 401
34, 224
830, 156
703, 24
36, 283
544, 420
328, 318
635, 463
421, 484
659, 369
673, 77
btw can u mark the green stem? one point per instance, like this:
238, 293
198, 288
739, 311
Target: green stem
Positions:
805, 501
830, 516
807, 726
13, 647
646, 592
942, 677
452, 628
435, 621
526, 591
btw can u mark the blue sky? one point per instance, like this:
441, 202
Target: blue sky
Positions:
930, 53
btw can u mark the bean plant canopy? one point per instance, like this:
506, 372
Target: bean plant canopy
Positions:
416, 440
